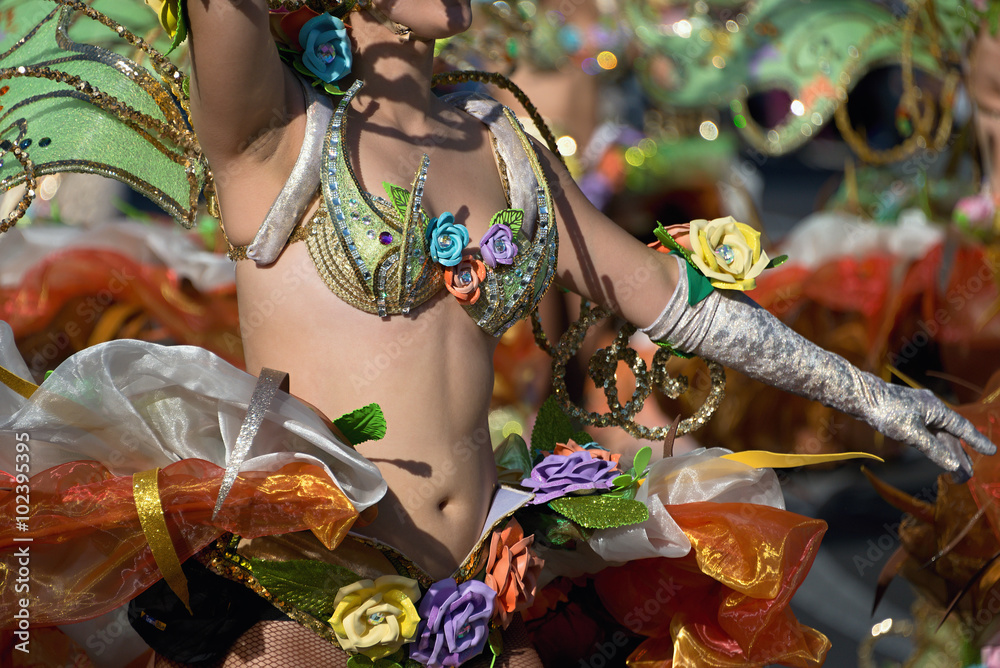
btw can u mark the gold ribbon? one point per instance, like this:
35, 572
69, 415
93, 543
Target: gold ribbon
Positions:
146, 490
762, 459
16, 383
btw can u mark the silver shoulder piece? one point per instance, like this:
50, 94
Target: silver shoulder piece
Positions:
301, 187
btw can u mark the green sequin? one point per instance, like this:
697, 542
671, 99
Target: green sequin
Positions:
601, 512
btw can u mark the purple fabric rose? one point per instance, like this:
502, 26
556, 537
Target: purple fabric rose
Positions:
327, 49
446, 239
454, 623
558, 475
497, 246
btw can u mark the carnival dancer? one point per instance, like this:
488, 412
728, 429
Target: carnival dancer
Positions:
335, 280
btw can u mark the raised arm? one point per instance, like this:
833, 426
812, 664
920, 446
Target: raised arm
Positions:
244, 105
730, 328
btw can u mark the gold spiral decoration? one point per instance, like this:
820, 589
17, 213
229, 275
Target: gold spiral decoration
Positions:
603, 368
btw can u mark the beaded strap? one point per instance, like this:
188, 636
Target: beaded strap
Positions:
333, 6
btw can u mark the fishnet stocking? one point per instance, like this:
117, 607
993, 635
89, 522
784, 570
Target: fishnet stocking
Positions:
283, 644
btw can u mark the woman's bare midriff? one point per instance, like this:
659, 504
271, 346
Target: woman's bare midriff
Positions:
431, 372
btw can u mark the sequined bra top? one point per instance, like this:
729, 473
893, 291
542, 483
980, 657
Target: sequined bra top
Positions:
386, 255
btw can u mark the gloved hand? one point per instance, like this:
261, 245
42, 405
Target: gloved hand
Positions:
733, 330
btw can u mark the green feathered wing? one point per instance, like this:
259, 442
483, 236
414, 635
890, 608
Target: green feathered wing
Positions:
72, 102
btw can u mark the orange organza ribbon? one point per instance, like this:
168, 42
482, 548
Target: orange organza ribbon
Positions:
88, 553
725, 603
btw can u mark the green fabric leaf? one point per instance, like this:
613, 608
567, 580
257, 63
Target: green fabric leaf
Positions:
626, 491
308, 585
699, 287
549, 528
623, 480
513, 459
400, 198
641, 461
551, 426
512, 218
302, 69
777, 261
364, 424
601, 511
664, 238
561, 532
333, 89
674, 351
182, 31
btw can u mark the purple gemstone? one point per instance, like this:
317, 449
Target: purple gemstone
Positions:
385, 238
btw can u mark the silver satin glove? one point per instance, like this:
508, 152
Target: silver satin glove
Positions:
733, 330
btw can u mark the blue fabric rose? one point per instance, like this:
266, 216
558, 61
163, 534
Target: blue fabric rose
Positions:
446, 239
327, 50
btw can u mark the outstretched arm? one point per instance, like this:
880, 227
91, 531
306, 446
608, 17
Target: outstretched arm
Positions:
601, 261
730, 328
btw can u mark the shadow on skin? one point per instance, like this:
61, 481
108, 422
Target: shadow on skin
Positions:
405, 535
422, 469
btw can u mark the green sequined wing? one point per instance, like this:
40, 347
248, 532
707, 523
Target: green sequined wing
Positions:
69, 106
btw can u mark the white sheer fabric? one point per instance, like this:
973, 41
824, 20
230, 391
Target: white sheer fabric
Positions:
701, 475
133, 406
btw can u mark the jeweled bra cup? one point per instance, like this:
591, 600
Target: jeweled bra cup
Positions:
372, 252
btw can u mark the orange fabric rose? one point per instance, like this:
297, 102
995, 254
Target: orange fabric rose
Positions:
570, 447
512, 570
463, 279
285, 26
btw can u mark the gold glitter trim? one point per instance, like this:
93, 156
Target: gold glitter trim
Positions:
146, 490
16, 383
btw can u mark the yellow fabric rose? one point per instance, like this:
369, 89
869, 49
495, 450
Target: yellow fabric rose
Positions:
376, 618
727, 252
168, 12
